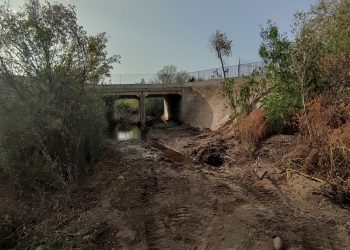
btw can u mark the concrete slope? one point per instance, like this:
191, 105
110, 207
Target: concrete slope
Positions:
204, 105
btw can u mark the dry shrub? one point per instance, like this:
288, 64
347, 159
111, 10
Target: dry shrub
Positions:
323, 116
325, 129
338, 194
325, 133
253, 129
341, 135
335, 68
328, 162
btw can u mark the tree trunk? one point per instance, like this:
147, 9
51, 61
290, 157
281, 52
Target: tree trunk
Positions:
222, 66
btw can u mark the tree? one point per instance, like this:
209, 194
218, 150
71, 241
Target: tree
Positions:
51, 126
169, 74
182, 77
322, 43
222, 47
284, 101
44, 43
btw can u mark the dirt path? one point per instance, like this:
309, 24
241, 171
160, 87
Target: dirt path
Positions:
146, 200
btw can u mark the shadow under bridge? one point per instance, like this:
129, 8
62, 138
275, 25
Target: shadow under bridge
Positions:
172, 94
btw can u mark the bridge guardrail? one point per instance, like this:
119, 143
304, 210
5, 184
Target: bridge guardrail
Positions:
202, 75
231, 71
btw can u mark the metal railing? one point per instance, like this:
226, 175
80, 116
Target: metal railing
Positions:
202, 75
129, 79
231, 71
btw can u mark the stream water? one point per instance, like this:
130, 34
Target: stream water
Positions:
124, 133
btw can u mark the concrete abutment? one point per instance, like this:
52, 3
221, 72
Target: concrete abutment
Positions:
200, 104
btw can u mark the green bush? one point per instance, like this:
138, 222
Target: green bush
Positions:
317, 61
154, 106
243, 98
228, 88
49, 140
280, 112
52, 123
284, 102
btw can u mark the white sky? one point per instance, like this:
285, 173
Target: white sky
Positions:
149, 34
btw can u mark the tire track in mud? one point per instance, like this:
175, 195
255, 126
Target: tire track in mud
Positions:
182, 208
167, 195
173, 222
293, 225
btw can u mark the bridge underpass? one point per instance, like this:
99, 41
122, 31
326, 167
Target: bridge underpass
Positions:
198, 101
171, 93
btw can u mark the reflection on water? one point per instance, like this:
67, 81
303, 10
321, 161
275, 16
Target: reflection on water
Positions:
123, 133
126, 133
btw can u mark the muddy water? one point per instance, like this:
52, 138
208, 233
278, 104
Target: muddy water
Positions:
134, 132
126, 133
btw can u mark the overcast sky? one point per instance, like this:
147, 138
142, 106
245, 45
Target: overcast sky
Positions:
149, 34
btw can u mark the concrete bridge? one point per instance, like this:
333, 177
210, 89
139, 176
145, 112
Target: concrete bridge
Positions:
171, 93
197, 103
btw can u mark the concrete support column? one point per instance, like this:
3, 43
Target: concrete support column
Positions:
142, 111
165, 116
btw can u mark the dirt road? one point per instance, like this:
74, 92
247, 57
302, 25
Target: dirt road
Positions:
144, 199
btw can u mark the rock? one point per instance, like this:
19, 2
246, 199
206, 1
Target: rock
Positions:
277, 243
261, 174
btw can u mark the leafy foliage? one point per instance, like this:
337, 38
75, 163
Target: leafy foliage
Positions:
244, 97
284, 101
320, 62
323, 41
169, 74
229, 92
52, 125
254, 88
222, 46
44, 42
316, 62
154, 106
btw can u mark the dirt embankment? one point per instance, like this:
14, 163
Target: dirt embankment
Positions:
143, 198
293, 204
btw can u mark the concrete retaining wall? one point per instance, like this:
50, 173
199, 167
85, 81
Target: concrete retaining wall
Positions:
204, 105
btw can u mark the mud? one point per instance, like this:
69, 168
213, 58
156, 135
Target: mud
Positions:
141, 197
152, 201
213, 154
